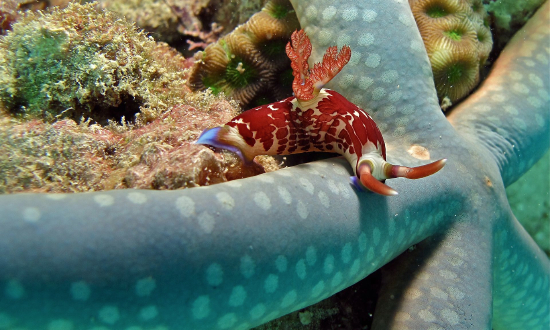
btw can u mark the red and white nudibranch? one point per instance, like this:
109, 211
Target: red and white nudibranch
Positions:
315, 119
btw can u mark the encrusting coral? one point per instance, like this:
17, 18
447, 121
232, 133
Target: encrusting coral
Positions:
82, 61
458, 41
509, 15
249, 64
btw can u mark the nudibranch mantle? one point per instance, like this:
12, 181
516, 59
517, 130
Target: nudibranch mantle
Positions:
315, 119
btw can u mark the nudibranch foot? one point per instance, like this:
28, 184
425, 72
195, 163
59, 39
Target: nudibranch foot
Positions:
213, 137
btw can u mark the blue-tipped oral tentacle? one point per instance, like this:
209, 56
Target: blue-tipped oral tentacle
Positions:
212, 137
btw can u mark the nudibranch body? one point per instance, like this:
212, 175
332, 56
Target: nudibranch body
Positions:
315, 119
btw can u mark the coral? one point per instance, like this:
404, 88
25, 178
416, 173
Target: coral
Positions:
84, 62
249, 63
458, 42
70, 157
238, 254
206, 38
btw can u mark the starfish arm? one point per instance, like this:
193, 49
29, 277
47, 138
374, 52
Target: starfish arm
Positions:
226, 254
510, 113
521, 280
436, 283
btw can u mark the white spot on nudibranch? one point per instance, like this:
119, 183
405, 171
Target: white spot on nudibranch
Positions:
362, 240
365, 82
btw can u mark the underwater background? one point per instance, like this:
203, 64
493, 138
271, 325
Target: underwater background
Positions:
113, 94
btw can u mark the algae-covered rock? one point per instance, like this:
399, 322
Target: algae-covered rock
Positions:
509, 16
82, 61
174, 20
36, 156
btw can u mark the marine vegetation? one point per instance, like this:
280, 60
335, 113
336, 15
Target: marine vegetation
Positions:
82, 61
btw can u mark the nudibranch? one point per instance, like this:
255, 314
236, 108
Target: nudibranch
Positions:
315, 119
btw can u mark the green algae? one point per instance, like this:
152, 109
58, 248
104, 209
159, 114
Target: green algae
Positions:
82, 61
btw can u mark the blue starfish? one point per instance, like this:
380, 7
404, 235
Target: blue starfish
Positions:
240, 254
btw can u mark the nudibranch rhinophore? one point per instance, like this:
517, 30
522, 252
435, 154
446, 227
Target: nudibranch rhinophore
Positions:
315, 119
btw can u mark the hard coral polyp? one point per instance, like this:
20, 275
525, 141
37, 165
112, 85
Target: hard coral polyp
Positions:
249, 63
458, 43
317, 119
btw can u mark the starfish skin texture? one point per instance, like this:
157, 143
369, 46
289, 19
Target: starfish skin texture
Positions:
242, 253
